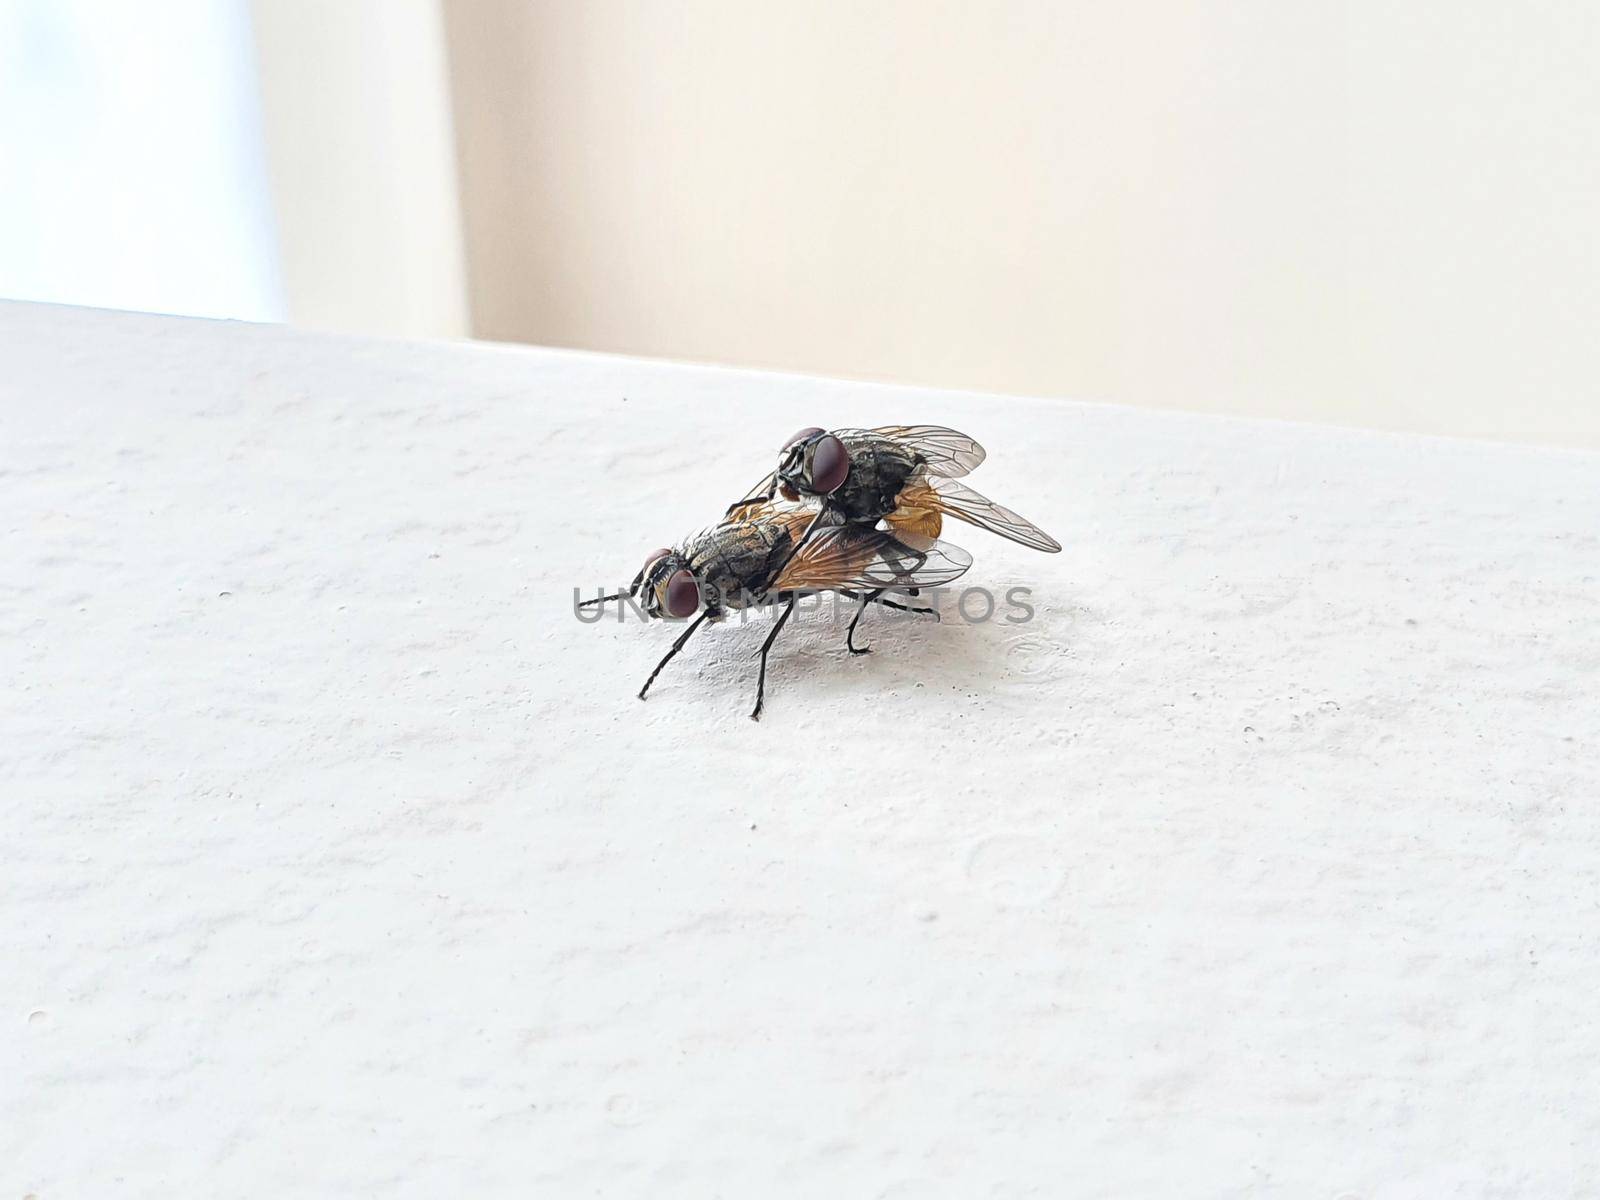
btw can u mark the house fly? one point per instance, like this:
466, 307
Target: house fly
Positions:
903, 475
752, 559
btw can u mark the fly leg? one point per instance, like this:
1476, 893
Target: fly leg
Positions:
907, 608
633, 590
917, 557
676, 646
816, 521
765, 498
876, 597
761, 682
849, 636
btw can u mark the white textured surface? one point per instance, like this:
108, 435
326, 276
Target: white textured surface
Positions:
340, 860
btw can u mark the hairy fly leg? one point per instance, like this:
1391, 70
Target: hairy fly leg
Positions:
876, 597
633, 590
850, 634
676, 646
816, 521
756, 498
761, 680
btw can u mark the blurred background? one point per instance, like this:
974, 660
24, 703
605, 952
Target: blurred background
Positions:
1381, 214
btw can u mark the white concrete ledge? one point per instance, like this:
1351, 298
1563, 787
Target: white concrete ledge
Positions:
340, 859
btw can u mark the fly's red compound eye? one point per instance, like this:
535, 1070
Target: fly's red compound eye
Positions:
830, 463
788, 493
654, 557
811, 431
683, 594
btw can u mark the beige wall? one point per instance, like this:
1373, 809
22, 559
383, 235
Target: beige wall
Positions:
1371, 212
355, 105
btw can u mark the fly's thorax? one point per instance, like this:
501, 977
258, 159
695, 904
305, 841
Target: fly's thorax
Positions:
733, 561
879, 469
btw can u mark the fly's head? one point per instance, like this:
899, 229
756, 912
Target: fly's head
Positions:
666, 586
813, 463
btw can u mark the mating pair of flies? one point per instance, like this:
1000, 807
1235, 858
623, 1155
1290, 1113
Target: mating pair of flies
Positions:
853, 511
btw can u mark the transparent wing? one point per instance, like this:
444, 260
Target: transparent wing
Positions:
850, 556
948, 452
959, 501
